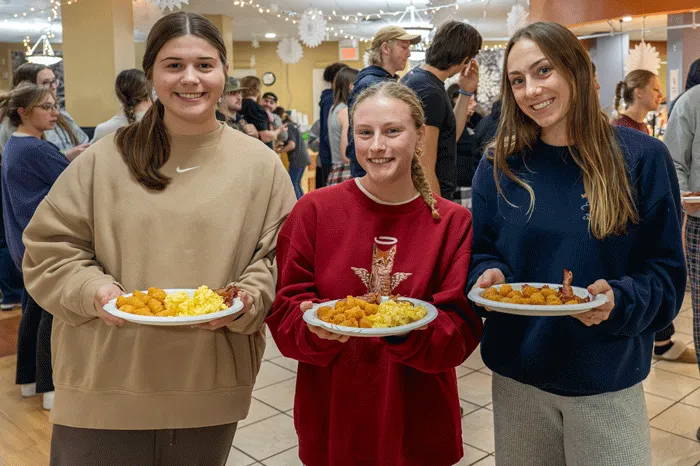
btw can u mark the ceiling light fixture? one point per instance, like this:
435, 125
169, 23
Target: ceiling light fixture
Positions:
270, 35
47, 56
626, 19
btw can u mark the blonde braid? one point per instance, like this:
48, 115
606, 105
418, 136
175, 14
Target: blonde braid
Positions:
421, 184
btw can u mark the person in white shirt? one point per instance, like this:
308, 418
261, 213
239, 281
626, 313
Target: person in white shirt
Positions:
134, 94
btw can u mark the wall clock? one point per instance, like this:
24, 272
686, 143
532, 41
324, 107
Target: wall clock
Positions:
268, 78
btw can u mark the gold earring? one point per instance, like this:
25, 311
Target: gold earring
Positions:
419, 152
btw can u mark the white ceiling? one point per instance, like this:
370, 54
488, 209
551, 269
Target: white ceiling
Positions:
654, 27
248, 23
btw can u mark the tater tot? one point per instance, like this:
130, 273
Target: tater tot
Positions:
141, 295
365, 323
505, 290
135, 301
571, 301
515, 294
155, 306
157, 293
325, 313
143, 311
529, 291
121, 301
537, 299
166, 313
553, 300
127, 308
548, 292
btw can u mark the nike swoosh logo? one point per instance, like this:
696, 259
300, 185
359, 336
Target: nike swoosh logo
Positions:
183, 170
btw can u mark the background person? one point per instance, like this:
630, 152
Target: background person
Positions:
134, 94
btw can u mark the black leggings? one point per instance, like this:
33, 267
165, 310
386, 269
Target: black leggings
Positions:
34, 346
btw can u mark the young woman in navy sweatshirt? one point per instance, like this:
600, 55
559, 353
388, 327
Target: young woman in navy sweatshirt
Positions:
377, 401
564, 189
30, 166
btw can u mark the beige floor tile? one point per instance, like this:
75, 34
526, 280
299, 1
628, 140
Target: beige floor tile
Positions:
683, 324
688, 370
462, 371
656, 404
266, 438
475, 388
488, 461
271, 350
280, 395
693, 399
270, 374
468, 407
474, 360
287, 363
684, 337
471, 456
286, 458
258, 411
477, 430
238, 458
669, 385
679, 419
671, 450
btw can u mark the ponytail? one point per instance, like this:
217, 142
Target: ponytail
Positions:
422, 186
129, 112
145, 148
618, 94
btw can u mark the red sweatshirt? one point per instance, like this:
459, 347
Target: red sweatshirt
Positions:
374, 401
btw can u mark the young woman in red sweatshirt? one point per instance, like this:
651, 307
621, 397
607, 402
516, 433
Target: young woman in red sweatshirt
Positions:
377, 401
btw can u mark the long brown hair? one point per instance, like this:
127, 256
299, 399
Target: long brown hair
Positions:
624, 90
132, 88
592, 141
145, 145
26, 95
30, 72
251, 86
396, 91
341, 85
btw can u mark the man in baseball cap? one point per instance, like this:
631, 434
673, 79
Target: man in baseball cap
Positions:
387, 56
230, 106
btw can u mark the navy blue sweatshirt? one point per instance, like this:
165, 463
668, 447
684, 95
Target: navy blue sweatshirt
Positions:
645, 267
324, 145
30, 166
367, 77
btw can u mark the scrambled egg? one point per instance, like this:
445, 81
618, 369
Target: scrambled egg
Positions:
204, 301
394, 314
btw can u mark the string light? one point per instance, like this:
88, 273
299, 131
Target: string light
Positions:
52, 9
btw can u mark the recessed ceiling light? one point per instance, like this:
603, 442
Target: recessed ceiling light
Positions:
626, 19
270, 35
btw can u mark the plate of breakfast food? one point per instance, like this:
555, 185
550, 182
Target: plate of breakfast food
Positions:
371, 315
692, 198
537, 299
176, 306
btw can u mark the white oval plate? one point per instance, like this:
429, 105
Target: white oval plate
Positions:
311, 317
538, 310
111, 307
691, 199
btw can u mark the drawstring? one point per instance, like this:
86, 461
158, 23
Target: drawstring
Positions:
172, 437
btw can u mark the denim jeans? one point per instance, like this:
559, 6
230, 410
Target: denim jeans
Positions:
296, 174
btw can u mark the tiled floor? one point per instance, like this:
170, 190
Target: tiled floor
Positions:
268, 438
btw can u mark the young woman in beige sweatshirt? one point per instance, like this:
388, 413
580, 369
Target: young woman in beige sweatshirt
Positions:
174, 201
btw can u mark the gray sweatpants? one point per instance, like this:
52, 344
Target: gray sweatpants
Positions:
536, 428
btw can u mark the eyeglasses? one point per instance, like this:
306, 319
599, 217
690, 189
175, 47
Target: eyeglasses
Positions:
49, 107
48, 84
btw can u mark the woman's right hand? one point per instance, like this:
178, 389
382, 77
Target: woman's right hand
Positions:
104, 294
74, 152
489, 278
321, 332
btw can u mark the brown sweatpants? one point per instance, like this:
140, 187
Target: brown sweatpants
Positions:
203, 446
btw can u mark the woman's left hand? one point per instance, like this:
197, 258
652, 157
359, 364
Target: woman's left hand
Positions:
224, 321
600, 313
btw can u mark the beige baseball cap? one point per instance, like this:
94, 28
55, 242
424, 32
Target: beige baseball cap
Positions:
388, 33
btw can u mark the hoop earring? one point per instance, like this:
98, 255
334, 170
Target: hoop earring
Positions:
419, 152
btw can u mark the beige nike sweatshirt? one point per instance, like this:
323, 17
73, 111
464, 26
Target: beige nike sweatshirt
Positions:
216, 223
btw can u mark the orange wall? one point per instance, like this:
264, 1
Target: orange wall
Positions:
579, 12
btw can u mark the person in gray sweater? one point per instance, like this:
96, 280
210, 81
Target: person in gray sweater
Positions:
683, 141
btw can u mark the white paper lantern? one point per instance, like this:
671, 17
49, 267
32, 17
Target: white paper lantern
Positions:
517, 18
643, 57
312, 27
289, 50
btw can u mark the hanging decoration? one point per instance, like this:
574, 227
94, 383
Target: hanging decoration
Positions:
47, 56
169, 4
643, 57
312, 27
252, 61
517, 18
145, 16
289, 50
255, 43
274, 8
445, 13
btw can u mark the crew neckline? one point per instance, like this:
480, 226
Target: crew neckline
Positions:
198, 140
379, 201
